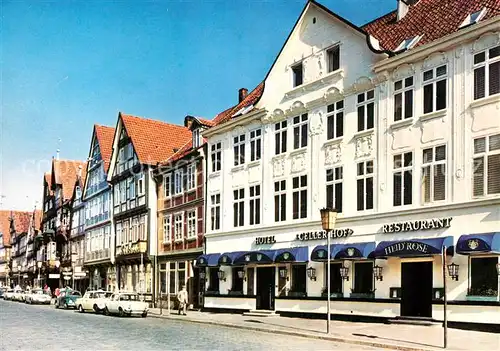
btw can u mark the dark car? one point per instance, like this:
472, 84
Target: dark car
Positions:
67, 298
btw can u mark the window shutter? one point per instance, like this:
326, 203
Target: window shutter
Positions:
494, 76
493, 174
439, 182
478, 176
479, 83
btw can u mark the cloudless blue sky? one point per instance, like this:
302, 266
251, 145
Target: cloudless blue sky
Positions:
66, 65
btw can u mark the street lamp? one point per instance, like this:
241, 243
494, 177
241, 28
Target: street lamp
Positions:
328, 219
19, 274
39, 265
74, 257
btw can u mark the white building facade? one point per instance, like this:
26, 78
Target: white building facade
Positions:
405, 146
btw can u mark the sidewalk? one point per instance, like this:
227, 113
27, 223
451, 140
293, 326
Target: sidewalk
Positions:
390, 336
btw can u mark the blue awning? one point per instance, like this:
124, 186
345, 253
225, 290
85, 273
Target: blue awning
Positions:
343, 251
209, 260
262, 256
228, 258
293, 254
414, 247
479, 243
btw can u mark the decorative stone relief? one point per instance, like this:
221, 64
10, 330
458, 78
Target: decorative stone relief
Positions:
362, 84
435, 59
238, 130
432, 130
364, 146
459, 174
401, 138
487, 40
320, 60
482, 116
333, 154
315, 123
297, 108
299, 162
275, 116
333, 94
402, 71
254, 173
238, 178
459, 52
278, 167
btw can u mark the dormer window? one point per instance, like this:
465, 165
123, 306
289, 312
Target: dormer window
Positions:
196, 138
407, 44
297, 74
78, 192
473, 18
333, 58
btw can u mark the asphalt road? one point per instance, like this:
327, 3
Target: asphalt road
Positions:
35, 327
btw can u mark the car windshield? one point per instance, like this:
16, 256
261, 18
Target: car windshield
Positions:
75, 293
38, 292
104, 295
129, 297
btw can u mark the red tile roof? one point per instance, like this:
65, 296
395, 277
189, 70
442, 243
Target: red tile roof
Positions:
38, 219
21, 222
433, 19
66, 173
154, 141
105, 137
5, 227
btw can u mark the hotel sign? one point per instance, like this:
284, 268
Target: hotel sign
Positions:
322, 234
409, 226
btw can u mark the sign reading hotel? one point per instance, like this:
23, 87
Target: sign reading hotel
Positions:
409, 226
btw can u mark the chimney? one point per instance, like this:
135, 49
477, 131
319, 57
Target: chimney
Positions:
57, 154
242, 94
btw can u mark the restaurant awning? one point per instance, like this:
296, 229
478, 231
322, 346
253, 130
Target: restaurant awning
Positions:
262, 256
414, 247
208, 260
293, 254
343, 251
479, 243
228, 258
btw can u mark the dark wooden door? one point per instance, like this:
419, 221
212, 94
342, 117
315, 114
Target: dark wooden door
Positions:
416, 289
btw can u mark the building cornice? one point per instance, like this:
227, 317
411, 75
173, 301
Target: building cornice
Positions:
442, 44
239, 121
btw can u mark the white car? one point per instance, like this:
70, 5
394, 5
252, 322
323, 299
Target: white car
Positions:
38, 296
93, 301
8, 294
126, 304
18, 296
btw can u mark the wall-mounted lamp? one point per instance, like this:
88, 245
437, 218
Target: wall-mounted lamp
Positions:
222, 275
344, 272
453, 271
311, 273
377, 273
241, 275
284, 273
202, 274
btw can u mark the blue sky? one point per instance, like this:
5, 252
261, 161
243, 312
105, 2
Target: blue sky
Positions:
66, 65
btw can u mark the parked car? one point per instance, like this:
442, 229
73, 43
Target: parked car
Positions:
18, 295
126, 304
67, 298
93, 301
7, 295
2, 291
38, 296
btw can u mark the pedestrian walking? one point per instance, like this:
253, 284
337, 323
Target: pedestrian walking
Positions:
182, 297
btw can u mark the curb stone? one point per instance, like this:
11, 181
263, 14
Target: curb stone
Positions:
294, 333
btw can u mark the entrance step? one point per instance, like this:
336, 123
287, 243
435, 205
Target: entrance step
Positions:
422, 321
260, 313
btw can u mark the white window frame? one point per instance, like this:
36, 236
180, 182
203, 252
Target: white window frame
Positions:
328, 57
334, 112
255, 199
298, 130
299, 189
399, 167
486, 64
167, 228
178, 181
140, 185
179, 226
363, 100
280, 135
407, 85
239, 149
333, 181
467, 21
192, 220
279, 191
215, 203
196, 138
433, 164
191, 176
433, 81
255, 144
484, 155
167, 179
294, 76
368, 172
238, 199
216, 156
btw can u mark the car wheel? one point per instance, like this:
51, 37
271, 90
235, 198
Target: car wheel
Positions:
80, 309
144, 314
57, 304
66, 306
96, 309
120, 312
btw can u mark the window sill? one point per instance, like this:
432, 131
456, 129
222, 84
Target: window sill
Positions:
214, 174
178, 241
432, 115
166, 243
485, 101
325, 80
335, 141
237, 168
402, 123
364, 133
302, 150
191, 238
481, 298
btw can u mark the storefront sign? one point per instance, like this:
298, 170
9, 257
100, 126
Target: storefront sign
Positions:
410, 226
321, 234
132, 249
263, 240
54, 276
407, 247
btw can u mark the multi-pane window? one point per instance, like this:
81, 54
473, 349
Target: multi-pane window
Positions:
166, 185
254, 204
334, 177
191, 224
255, 144
402, 176
333, 58
364, 181
300, 131
486, 166
215, 211
140, 184
299, 185
239, 207
178, 226
435, 89
483, 276
434, 174
191, 176
178, 181
366, 110
403, 99
239, 149
297, 72
280, 138
215, 155
280, 201
487, 73
335, 120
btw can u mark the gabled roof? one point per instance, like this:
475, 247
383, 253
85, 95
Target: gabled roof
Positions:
154, 141
18, 221
65, 173
432, 19
5, 227
104, 136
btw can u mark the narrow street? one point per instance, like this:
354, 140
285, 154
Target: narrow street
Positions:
39, 327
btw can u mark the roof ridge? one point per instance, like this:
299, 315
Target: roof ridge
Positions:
152, 120
378, 18
178, 151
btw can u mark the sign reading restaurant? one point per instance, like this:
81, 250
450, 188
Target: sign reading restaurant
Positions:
409, 226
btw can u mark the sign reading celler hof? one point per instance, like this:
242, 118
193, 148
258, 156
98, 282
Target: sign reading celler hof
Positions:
409, 226
321, 234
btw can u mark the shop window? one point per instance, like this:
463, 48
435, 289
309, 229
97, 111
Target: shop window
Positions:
249, 276
299, 197
434, 174
214, 280
280, 137
483, 276
163, 278
363, 277
237, 283
171, 277
335, 120
435, 89
366, 110
334, 177
335, 278
181, 275
300, 125
299, 279
487, 73
365, 186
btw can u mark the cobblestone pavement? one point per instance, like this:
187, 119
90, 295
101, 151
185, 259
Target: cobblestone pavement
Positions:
35, 327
